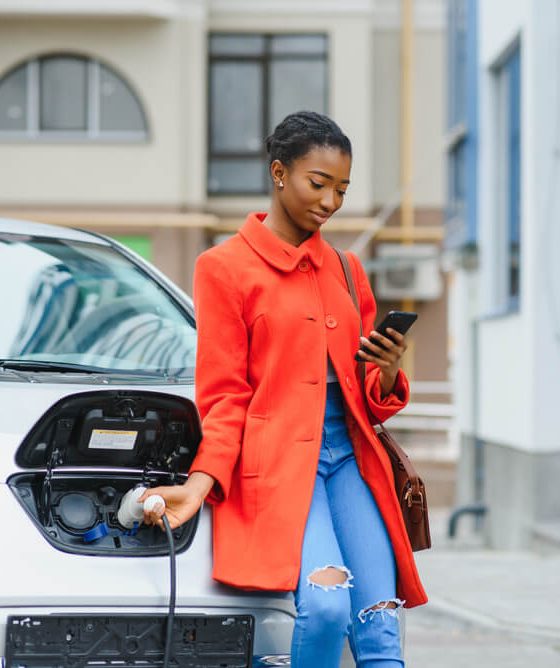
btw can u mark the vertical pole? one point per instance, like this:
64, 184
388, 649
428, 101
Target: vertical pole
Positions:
407, 205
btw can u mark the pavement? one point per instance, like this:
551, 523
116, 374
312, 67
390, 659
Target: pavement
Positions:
510, 592
487, 608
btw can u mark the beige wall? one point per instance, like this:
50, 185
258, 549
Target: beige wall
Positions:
386, 116
429, 124
166, 63
149, 56
428, 109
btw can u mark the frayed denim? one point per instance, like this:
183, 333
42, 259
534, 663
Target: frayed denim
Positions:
345, 531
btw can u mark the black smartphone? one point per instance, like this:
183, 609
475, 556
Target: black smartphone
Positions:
401, 321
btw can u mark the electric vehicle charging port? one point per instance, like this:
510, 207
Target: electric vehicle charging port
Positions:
78, 505
88, 451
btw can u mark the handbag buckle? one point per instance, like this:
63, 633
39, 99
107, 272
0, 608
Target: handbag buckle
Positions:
411, 498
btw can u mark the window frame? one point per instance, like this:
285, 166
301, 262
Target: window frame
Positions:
461, 140
264, 60
93, 132
508, 100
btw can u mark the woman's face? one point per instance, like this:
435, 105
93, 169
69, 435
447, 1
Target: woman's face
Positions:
313, 190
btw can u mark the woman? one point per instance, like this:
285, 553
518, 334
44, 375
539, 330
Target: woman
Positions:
287, 457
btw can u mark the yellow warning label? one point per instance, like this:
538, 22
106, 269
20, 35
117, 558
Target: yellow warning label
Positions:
112, 439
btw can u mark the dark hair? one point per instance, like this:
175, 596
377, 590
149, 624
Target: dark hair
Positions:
298, 133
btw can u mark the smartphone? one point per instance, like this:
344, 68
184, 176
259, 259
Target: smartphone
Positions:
401, 321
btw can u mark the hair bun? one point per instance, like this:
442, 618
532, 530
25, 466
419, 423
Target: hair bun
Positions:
302, 131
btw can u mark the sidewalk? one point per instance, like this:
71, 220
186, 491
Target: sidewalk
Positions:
511, 592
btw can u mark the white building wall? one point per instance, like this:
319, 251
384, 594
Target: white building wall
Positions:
544, 266
462, 307
506, 364
506, 341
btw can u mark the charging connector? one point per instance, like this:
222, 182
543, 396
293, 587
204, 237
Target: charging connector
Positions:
172, 592
130, 514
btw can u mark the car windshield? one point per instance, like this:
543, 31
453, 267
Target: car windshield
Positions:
74, 303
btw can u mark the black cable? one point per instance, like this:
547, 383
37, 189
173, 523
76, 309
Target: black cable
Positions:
172, 592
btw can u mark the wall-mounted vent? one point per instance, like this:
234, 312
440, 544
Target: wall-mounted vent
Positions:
408, 271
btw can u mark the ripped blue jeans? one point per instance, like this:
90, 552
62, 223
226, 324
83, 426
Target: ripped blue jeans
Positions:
346, 531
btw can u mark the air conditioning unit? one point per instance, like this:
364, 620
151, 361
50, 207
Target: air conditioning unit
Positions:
408, 271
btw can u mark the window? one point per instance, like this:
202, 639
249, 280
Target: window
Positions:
255, 81
508, 173
461, 124
62, 95
457, 47
87, 303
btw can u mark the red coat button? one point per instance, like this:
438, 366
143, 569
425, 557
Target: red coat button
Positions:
348, 382
303, 265
331, 322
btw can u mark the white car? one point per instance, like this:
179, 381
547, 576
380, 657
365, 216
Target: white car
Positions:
97, 350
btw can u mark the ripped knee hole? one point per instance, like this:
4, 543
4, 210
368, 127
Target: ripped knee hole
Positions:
390, 607
329, 576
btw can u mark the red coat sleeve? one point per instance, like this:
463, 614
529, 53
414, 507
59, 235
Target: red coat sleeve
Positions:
386, 407
222, 390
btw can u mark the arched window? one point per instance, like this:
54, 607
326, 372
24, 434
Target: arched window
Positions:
69, 96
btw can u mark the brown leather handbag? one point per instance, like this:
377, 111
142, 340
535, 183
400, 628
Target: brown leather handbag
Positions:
409, 487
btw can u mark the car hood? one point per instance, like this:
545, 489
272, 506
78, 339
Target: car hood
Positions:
23, 404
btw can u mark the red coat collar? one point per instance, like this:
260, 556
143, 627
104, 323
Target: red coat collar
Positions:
277, 252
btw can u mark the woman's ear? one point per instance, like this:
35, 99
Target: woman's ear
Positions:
277, 171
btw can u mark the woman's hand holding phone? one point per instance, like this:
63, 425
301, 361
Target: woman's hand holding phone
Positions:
386, 353
386, 346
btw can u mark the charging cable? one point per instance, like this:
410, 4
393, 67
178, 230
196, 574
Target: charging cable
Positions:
172, 589
130, 515
149, 504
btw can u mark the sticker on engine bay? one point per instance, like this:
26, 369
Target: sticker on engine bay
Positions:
112, 439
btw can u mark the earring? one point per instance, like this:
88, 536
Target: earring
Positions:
280, 185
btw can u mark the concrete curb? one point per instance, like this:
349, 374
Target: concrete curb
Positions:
444, 607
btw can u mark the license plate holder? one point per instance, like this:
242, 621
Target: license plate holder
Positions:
128, 641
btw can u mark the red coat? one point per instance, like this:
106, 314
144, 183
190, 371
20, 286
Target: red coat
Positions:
267, 312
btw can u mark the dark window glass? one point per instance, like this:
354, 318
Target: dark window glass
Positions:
513, 160
237, 45
13, 100
457, 46
234, 176
255, 81
294, 85
457, 179
237, 98
298, 44
119, 108
64, 101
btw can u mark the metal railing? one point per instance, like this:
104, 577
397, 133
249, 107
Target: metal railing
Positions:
431, 409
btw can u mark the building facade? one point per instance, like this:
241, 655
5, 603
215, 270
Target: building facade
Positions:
146, 119
501, 243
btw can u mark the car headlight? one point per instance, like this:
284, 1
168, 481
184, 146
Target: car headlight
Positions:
274, 660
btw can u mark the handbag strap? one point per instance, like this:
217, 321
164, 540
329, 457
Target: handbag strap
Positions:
378, 426
352, 290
